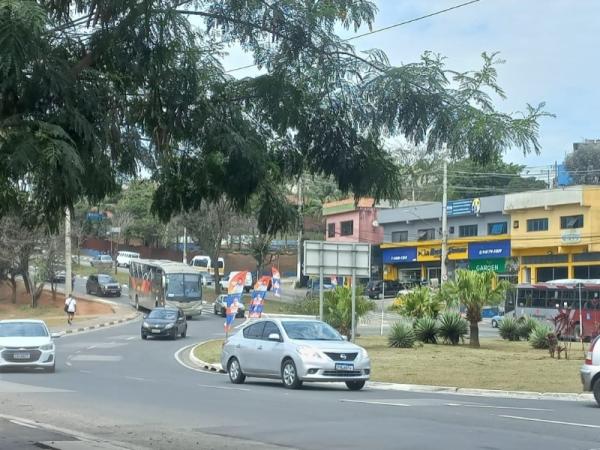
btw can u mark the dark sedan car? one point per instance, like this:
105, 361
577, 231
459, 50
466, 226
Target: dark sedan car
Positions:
375, 288
102, 284
220, 307
164, 322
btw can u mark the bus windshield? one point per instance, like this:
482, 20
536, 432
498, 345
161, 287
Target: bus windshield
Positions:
184, 287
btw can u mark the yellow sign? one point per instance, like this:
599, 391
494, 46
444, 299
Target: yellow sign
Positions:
455, 252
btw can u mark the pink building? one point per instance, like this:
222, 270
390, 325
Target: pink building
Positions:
347, 221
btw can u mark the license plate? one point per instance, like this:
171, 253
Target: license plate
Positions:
344, 366
21, 355
156, 331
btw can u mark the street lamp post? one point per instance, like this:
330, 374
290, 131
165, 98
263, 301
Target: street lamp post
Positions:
579, 286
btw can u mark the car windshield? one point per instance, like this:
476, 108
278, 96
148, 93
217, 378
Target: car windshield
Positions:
310, 331
22, 329
166, 314
184, 286
106, 279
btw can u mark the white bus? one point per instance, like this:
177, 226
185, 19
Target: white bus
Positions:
155, 283
204, 264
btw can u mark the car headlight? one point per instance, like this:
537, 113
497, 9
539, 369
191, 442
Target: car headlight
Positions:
309, 352
364, 354
170, 325
146, 325
47, 346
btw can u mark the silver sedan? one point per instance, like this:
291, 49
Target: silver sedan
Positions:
294, 351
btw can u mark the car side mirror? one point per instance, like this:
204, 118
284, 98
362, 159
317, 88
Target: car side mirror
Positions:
55, 335
344, 337
275, 337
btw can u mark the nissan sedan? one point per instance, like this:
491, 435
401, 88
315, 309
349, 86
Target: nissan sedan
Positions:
26, 344
295, 351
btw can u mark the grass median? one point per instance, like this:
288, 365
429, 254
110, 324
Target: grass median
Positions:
497, 364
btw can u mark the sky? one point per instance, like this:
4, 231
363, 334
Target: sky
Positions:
551, 48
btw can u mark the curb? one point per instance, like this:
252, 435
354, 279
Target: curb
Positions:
203, 364
99, 325
382, 386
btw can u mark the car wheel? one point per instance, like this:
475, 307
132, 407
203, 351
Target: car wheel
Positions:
188, 317
223, 313
289, 375
355, 385
51, 369
174, 334
494, 324
215, 311
184, 334
596, 389
144, 336
235, 371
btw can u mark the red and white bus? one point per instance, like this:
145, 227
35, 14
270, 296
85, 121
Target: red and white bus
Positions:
558, 301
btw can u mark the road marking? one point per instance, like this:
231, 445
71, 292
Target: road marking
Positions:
16, 422
187, 366
225, 388
131, 338
85, 371
557, 422
466, 405
68, 364
137, 378
375, 402
97, 358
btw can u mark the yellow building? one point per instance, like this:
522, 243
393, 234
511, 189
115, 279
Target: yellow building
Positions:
555, 233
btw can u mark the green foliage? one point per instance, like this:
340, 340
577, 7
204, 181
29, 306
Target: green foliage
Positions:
584, 163
510, 329
539, 336
426, 330
526, 326
452, 327
402, 335
421, 302
337, 308
136, 201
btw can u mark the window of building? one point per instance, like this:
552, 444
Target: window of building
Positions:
467, 230
427, 234
331, 230
451, 230
516, 224
347, 228
497, 228
399, 236
537, 225
571, 221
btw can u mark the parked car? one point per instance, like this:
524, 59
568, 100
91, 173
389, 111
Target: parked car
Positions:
208, 279
375, 288
59, 276
294, 351
165, 322
497, 320
101, 261
224, 282
26, 344
590, 371
102, 284
220, 307
124, 258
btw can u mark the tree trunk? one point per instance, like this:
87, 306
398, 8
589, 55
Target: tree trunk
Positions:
27, 281
474, 335
13, 286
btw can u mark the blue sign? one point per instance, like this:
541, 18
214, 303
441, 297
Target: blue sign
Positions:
464, 207
486, 250
399, 255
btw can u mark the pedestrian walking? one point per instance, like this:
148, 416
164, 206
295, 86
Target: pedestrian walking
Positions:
70, 308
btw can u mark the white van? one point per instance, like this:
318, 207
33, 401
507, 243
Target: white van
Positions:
124, 258
247, 285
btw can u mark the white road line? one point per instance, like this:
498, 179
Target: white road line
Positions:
16, 422
68, 364
137, 379
85, 371
225, 388
195, 369
375, 402
130, 338
497, 407
557, 422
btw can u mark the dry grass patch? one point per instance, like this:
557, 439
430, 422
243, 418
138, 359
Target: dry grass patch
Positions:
210, 351
496, 365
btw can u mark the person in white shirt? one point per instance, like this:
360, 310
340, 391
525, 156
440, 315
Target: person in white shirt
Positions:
70, 308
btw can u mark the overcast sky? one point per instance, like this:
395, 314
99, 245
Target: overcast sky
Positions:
551, 48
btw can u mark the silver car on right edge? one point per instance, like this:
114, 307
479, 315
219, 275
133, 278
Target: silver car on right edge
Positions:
294, 350
590, 371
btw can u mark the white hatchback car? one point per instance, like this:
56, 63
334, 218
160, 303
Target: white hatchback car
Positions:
26, 344
295, 350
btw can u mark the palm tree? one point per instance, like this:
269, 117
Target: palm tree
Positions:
474, 290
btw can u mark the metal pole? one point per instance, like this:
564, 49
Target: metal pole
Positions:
382, 304
185, 245
300, 225
68, 274
354, 298
321, 288
580, 318
443, 268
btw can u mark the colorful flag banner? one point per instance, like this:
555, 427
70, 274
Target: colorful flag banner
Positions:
234, 296
258, 297
276, 283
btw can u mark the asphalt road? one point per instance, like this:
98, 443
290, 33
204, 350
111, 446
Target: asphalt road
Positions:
112, 385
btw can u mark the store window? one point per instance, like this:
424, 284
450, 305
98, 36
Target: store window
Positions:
497, 228
426, 234
467, 230
331, 230
567, 222
399, 236
551, 273
347, 228
537, 225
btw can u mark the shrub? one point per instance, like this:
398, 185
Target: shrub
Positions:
539, 336
509, 329
421, 302
426, 330
452, 327
402, 335
337, 308
526, 326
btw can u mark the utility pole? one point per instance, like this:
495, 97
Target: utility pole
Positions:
443, 268
185, 245
68, 270
300, 225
